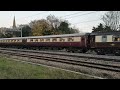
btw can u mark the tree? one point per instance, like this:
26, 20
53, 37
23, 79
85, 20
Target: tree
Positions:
51, 26
40, 27
65, 29
54, 21
108, 29
74, 30
26, 30
2, 35
101, 28
8, 35
112, 20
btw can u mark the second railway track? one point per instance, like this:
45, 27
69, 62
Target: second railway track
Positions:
55, 58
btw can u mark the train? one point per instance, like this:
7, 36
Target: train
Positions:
100, 42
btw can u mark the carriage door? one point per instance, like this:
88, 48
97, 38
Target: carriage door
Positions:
24, 41
92, 41
88, 41
83, 41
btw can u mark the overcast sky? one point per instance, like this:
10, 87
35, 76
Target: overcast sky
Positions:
83, 20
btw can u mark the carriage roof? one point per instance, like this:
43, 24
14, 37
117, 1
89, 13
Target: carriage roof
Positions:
49, 36
106, 33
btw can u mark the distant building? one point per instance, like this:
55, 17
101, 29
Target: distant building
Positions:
14, 23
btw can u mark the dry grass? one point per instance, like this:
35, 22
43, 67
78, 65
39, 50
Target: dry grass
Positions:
10, 69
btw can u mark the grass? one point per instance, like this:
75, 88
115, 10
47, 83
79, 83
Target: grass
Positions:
10, 69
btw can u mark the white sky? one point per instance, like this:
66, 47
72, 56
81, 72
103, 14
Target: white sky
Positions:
83, 20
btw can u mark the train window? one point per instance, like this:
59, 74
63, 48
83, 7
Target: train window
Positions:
104, 38
48, 40
62, 40
11, 40
18, 40
41, 39
31, 40
70, 39
54, 39
116, 38
36, 40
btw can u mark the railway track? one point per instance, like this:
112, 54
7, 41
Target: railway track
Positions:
80, 55
54, 58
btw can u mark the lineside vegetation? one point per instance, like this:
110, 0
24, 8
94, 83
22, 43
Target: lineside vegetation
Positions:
10, 69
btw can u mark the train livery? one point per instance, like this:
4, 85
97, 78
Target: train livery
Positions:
101, 43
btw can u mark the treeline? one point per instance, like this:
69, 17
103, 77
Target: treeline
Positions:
111, 22
49, 26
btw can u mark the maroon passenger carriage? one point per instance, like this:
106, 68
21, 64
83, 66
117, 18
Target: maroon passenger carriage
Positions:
102, 43
70, 42
105, 43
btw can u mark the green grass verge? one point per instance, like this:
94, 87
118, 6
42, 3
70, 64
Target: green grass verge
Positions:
10, 69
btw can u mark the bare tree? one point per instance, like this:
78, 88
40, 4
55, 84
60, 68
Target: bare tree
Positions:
55, 22
112, 19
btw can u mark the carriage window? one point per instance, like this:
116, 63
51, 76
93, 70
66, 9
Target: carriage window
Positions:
17, 40
36, 40
62, 40
47, 40
31, 40
70, 39
54, 39
41, 39
116, 38
104, 38
14, 40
